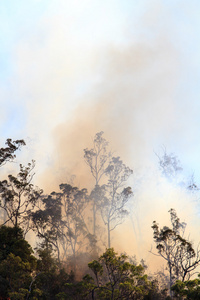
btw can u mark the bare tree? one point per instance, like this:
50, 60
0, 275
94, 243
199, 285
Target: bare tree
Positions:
97, 159
114, 195
169, 164
171, 168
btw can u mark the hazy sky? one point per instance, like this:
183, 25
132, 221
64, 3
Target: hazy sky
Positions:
128, 67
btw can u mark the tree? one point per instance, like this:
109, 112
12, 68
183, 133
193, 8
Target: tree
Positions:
115, 278
17, 275
12, 241
51, 279
19, 197
169, 164
60, 222
189, 289
171, 168
22, 276
97, 159
109, 198
47, 222
7, 153
113, 204
178, 252
74, 203
16, 263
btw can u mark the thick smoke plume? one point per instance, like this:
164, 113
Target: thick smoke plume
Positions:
128, 89
133, 104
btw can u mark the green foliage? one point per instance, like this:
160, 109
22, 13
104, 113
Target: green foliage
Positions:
46, 262
187, 290
22, 276
62, 224
16, 263
54, 283
115, 278
12, 241
20, 295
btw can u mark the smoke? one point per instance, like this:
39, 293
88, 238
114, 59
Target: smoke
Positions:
75, 76
82, 71
133, 104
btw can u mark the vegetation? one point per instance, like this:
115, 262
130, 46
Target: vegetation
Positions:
8, 153
67, 263
19, 197
115, 278
178, 252
189, 289
109, 198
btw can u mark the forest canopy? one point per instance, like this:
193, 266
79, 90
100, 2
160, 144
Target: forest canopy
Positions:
74, 229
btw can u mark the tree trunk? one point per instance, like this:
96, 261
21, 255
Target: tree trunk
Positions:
108, 234
94, 218
170, 281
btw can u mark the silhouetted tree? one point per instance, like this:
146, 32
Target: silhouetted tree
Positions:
7, 153
113, 204
178, 252
47, 222
19, 197
61, 222
75, 231
97, 158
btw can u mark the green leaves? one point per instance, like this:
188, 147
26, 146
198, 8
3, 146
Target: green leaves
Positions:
116, 278
187, 290
96, 267
16, 263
